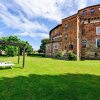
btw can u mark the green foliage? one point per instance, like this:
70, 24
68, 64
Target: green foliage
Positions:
58, 54
71, 55
12, 50
29, 48
43, 45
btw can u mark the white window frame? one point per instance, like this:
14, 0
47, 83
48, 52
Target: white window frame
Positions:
96, 42
97, 30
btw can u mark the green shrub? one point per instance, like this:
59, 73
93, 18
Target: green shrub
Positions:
71, 55
58, 54
11, 51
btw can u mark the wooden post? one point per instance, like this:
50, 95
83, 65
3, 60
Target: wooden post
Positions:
78, 38
23, 57
18, 55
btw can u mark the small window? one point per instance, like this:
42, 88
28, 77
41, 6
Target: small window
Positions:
98, 30
84, 12
66, 27
84, 43
98, 43
65, 47
71, 47
92, 11
89, 21
83, 31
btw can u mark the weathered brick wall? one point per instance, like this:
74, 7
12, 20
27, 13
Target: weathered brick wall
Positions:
57, 47
89, 22
65, 34
55, 41
48, 49
69, 26
90, 37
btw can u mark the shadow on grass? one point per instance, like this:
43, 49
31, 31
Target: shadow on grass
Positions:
37, 55
51, 87
5, 68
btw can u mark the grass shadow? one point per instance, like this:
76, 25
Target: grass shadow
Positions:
5, 68
51, 87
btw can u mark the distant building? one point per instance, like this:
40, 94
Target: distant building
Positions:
79, 33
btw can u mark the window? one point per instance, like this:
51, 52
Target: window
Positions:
66, 27
84, 43
83, 31
88, 20
65, 47
98, 30
84, 12
99, 9
71, 47
92, 11
98, 43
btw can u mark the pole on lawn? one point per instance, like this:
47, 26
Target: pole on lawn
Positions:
23, 56
18, 55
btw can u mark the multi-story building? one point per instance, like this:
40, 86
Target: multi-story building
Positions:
79, 33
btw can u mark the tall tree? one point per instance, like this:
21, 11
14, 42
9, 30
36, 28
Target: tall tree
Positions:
43, 45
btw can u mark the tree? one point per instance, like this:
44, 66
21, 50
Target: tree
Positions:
13, 50
28, 49
43, 45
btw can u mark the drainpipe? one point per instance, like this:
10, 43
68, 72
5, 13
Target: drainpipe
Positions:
78, 38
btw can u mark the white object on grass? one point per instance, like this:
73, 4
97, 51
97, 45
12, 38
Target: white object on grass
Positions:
5, 64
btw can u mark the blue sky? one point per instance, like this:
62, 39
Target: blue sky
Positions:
31, 20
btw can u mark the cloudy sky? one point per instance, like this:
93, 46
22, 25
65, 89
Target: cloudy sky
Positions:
31, 20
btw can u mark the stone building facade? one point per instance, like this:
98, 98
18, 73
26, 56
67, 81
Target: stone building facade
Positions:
79, 33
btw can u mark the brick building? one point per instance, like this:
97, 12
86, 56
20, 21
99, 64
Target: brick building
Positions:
79, 32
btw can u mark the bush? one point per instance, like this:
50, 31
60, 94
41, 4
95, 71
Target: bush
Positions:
11, 51
58, 55
71, 56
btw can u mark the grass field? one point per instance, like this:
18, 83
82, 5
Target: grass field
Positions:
50, 79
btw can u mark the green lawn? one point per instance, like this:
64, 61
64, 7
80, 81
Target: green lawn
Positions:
50, 79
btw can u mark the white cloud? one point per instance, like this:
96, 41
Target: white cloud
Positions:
44, 8
32, 9
34, 35
20, 22
29, 10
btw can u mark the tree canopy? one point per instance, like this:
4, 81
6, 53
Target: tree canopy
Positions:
13, 50
43, 45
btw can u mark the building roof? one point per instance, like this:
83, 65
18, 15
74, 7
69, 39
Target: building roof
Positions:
89, 7
55, 28
67, 18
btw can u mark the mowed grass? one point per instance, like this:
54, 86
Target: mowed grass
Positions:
50, 79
